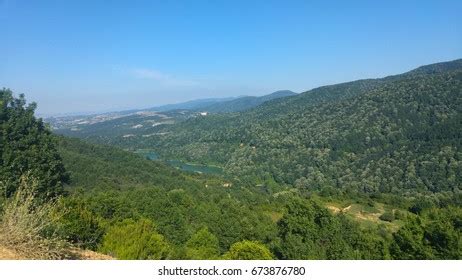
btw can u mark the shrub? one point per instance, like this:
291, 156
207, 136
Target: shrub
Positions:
28, 226
421, 204
135, 240
400, 215
387, 217
248, 250
79, 225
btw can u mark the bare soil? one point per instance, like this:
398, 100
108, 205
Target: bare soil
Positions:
74, 254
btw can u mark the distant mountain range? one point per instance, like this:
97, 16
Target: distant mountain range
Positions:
191, 105
224, 105
173, 112
245, 102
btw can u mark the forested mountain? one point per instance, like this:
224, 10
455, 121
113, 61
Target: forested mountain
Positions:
400, 134
224, 105
245, 102
193, 105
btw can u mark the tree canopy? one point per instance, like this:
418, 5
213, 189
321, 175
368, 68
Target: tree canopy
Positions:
26, 145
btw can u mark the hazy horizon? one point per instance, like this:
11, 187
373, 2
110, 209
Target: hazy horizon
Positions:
92, 57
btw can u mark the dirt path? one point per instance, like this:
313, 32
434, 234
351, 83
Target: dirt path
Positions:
333, 209
91, 255
6, 254
338, 210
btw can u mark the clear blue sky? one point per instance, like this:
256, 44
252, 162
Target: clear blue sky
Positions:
80, 56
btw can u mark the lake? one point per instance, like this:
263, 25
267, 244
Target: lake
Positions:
191, 167
188, 167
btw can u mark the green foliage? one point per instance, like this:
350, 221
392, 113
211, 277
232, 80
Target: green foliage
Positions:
115, 184
309, 231
111, 168
27, 146
248, 250
421, 204
203, 245
400, 215
78, 224
387, 216
129, 240
300, 231
408, 242
180, 215
436, 234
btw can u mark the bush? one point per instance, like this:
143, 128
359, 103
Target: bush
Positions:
387, 217
248, 250
79, 225
29, 227
135, 240
421, 204
400, 215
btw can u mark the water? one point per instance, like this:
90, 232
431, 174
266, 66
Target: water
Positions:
188, 167
195, 167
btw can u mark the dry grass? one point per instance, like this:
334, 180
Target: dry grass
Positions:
25, 222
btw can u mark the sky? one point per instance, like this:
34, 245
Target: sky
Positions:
95, 56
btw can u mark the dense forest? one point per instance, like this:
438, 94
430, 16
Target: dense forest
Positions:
364, 170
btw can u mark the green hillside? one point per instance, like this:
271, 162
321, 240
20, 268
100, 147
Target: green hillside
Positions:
399, 134
103, 167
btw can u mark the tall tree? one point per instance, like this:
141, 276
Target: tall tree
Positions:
27, 146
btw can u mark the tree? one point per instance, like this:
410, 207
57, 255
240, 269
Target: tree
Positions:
408, 242
135, 240
436, 234
309, 231
203, 245
248, 250
26, 145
